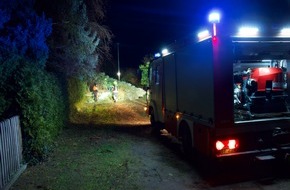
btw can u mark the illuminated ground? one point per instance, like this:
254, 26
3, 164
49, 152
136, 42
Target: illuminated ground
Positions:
120, 152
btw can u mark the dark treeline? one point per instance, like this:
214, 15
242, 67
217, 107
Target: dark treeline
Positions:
43, 46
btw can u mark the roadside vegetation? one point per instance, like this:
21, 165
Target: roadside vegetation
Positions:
93, 153
85, 110
51, 53
42, 49
49, 60
85, 158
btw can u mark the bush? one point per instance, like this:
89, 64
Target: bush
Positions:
126, 91
76, 93
8, 68
42, 106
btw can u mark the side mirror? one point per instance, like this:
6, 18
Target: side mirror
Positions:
146, 88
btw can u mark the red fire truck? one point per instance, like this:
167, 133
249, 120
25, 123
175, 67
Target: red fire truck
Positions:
225, 96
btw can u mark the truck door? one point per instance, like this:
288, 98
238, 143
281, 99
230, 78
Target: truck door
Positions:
170, 93
156, 89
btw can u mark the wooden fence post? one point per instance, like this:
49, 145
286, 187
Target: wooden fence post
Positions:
11, 161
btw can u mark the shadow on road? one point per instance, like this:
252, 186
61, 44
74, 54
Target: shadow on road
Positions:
214, 174
233, 171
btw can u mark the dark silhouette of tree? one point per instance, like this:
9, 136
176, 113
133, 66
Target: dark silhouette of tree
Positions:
130, 75
97, 15
22, 32
79, 41
23, 35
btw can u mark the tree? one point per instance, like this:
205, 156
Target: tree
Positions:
145, 69
22, 32
130, 75
97, 15
79, 41
23, 35
27, 89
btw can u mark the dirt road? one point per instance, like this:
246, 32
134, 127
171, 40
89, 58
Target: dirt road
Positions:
154, 163
146, 161
161, 165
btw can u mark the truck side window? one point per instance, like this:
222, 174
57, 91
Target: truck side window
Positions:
157, 75
150, 75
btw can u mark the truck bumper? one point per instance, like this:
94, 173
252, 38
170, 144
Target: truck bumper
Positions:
281, 153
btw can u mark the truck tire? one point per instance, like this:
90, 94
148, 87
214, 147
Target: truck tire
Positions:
186, 142
152, 118
155, 127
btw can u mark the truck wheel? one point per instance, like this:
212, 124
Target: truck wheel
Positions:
186, 142
154, 124
152, 118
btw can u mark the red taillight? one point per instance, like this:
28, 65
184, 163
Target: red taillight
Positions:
227, 144
219, 145
232, 144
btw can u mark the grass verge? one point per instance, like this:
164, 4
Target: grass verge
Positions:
90, 157
85, 158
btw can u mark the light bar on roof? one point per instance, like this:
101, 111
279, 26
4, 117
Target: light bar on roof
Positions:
285, 32
248, 32
203, 35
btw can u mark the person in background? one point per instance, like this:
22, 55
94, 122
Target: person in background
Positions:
95, 92
115, 93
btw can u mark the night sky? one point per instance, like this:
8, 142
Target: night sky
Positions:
145, 26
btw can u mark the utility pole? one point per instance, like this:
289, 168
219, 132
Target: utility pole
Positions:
118, 73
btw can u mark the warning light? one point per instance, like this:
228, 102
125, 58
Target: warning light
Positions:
214, 17
214, 39
156, 55
165, 52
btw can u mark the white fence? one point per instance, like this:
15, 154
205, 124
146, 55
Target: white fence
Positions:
11, 165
